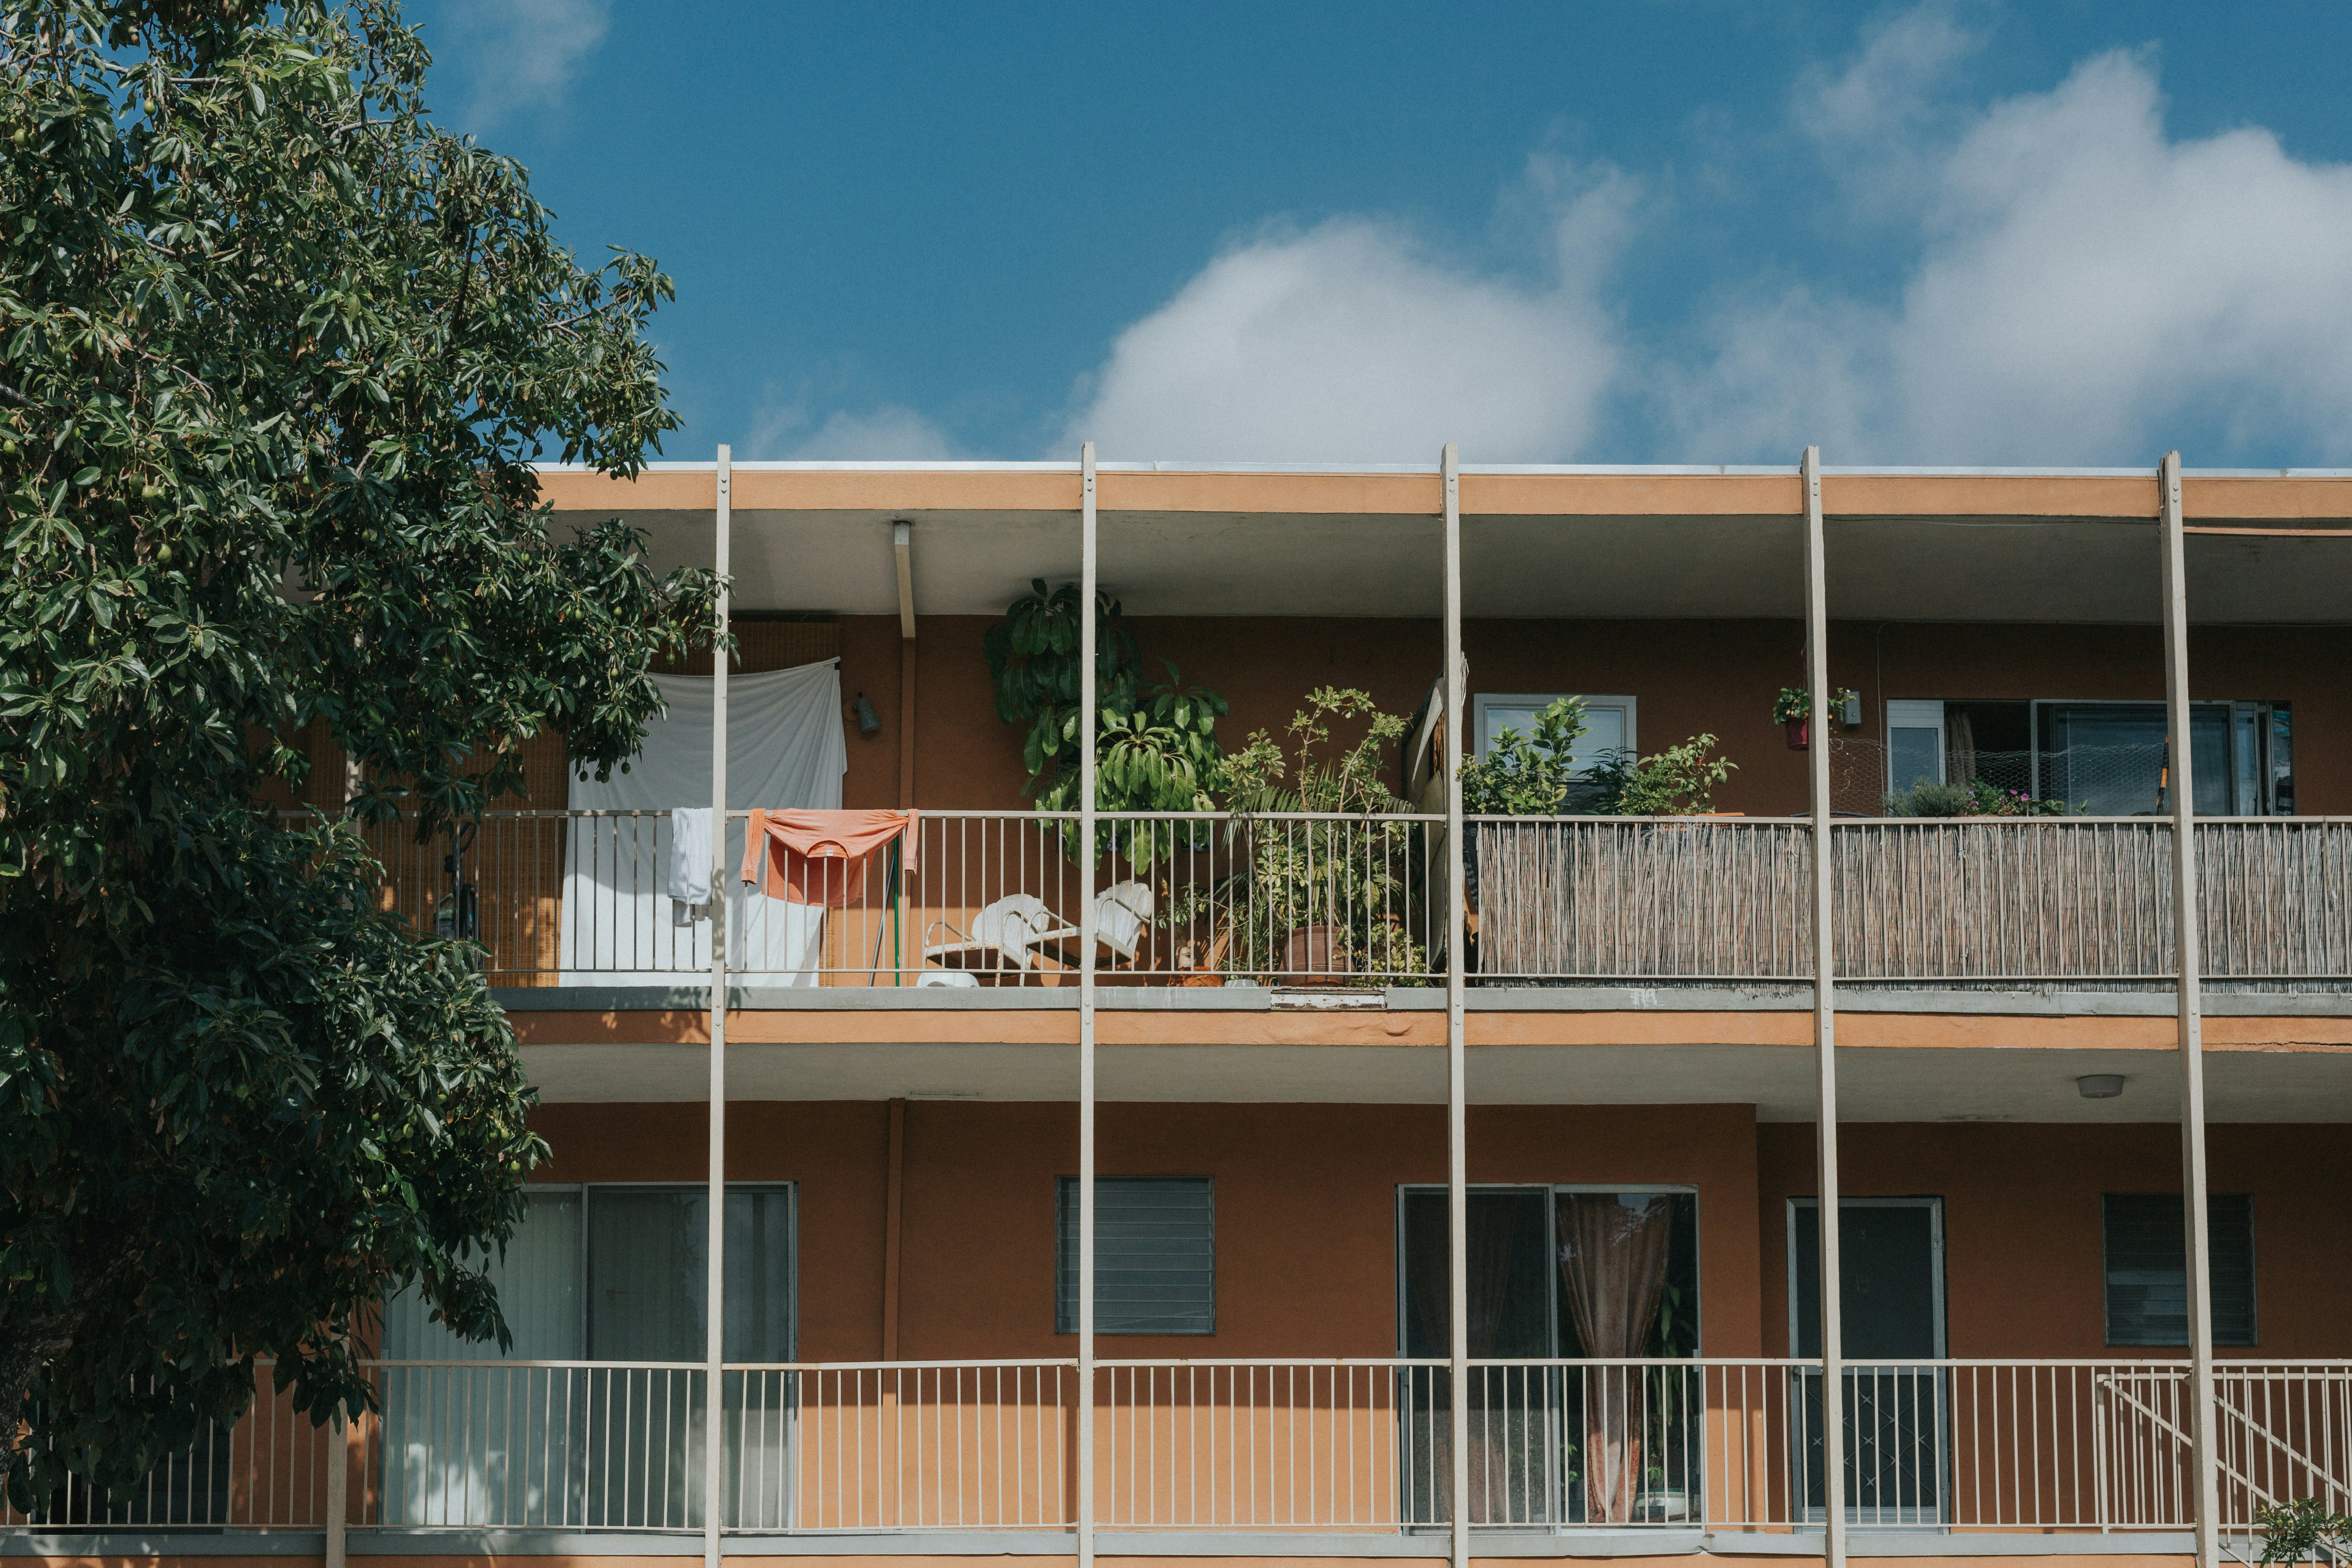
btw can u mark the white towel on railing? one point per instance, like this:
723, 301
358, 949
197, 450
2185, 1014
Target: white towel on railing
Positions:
690, 858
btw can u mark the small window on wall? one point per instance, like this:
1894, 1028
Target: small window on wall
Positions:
1608, 721
1155, 1255
2147, 1268
1915, 744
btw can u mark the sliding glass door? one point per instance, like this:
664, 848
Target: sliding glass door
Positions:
593, 1417
1569, 1289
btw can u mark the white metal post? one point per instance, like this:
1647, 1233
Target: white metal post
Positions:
1087, 573
714, 1329
1458, 1136
339, 1480
2192, 1017
1825, 1142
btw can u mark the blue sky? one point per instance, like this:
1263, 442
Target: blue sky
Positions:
1657, 231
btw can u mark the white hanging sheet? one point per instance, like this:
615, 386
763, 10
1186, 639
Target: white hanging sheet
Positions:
785, 749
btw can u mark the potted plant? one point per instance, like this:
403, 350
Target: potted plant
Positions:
1320, 897
1793, 711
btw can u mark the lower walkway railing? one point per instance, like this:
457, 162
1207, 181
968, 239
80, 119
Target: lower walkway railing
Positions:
1333, 1445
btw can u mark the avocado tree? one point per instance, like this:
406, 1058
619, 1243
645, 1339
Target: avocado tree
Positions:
276, 356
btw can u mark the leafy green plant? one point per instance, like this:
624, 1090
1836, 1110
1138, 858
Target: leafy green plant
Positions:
1033, 657
281, 357
1530, 775
1927, 797
1321, 779
1979, 797
2303, 1528
1676, 782
1345, 875
1796, 702
1161, 754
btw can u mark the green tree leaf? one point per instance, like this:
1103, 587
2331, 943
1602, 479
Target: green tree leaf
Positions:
281, 356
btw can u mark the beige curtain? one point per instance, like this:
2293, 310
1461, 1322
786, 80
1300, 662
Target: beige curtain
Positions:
1613, 1261
1959, 748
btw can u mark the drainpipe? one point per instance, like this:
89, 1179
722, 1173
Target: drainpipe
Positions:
714, 1322
1457, 1203
902, 547
2190, 1003
1825, 1141
1087, 575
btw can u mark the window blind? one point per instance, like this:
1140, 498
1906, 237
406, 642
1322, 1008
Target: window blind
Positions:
1155, 1255
2147, 1268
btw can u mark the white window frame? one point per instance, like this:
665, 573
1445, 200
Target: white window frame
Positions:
1910, 713
1483, 701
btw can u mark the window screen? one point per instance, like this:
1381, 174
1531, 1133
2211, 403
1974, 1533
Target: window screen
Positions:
1155, 1255
2147, 1268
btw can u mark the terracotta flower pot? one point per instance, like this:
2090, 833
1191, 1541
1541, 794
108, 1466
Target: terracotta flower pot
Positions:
1314, 950
1800, 733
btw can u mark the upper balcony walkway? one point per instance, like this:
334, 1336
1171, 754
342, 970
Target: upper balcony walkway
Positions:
973, 899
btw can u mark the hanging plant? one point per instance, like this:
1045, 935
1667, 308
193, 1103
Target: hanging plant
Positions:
1033, 657
1797, 702
1793, 710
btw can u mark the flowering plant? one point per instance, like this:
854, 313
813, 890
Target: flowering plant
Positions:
1796, 702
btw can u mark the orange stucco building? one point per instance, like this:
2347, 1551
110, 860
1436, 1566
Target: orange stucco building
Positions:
1269, 1088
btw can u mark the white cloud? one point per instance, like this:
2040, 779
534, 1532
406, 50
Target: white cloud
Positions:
2085, 286
788, 430
1353, 342
2053, 278
523, 54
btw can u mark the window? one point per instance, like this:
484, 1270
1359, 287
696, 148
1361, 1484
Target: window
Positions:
1608, 721
1914, 743
2106, 759
616, 1273
1155, 1255
1542, 1262
2147, 1268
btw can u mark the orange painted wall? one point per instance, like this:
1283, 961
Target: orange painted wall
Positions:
1718, 676
1306, 1206
1306, 1214
2021, 1223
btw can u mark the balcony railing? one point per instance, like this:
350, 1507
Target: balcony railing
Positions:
1342, 1447
992, 899
267, 1471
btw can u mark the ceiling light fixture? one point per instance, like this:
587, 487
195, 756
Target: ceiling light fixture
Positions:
2100, 1085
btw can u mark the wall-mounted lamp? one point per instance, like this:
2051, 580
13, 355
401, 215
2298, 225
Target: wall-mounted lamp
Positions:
868, 722
2100, 1085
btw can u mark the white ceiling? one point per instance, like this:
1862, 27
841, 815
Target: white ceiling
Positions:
1874, 1084
1209, 563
